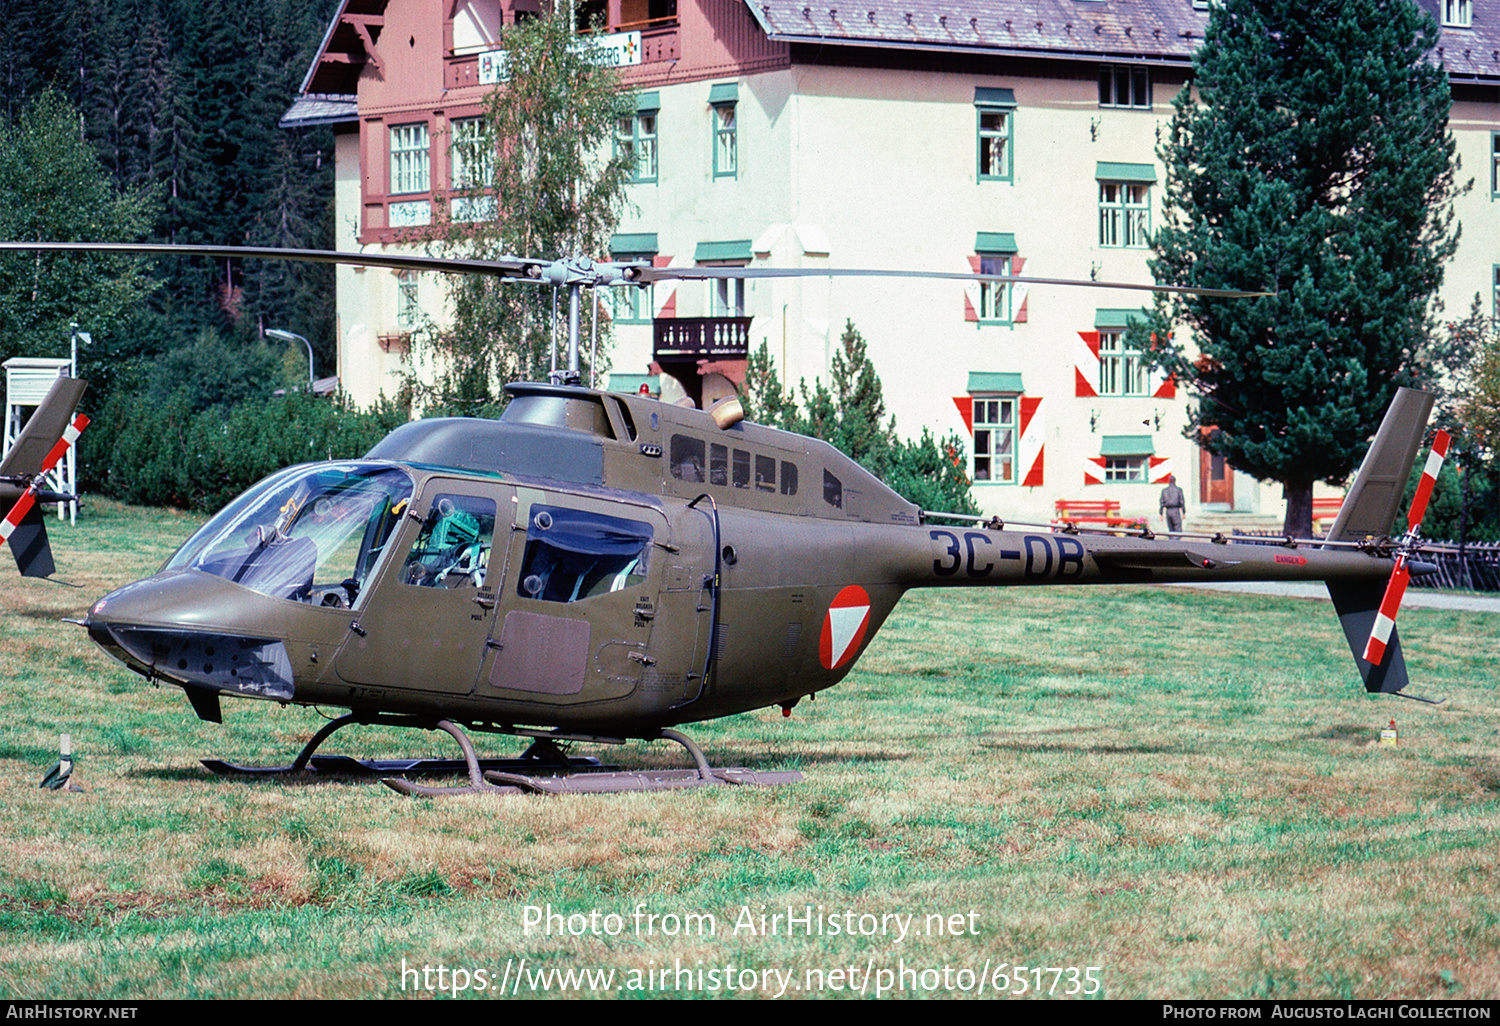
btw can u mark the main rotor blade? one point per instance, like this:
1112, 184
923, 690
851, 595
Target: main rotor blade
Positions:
559, 272
503, 266
646, 275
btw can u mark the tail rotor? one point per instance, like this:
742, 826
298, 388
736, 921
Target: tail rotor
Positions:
1395, 589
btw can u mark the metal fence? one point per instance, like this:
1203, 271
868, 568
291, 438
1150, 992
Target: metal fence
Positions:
1477, 568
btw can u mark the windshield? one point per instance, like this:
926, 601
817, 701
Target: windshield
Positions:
310, 534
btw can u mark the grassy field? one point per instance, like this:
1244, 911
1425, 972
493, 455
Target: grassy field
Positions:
1183, 789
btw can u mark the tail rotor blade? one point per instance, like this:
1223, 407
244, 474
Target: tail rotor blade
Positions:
1385, 618
1434, 464
69, 437
1390, 605
16, 515
30, 547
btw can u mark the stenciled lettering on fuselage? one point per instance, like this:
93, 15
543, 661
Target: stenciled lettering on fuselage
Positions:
978, 554
844, 627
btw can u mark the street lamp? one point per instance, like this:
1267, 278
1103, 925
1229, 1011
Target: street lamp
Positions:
290, 336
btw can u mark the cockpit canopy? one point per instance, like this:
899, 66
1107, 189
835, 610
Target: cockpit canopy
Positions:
311, 533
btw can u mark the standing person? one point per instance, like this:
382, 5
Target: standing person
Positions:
1171, 504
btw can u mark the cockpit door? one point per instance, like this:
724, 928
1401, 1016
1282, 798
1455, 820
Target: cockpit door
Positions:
425, 623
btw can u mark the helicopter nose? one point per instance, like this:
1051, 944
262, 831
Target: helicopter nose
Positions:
180, 627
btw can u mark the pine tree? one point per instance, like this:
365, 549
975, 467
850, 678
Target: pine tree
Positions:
1315, 162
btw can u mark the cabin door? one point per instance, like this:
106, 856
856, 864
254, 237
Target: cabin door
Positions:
424, 625
579, 602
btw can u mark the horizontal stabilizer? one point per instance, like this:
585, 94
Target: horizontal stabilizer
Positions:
1358, 604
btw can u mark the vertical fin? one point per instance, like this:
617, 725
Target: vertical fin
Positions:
46, 425
1374, 499
1358, 604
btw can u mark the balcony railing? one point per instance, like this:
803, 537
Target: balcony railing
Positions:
702, 337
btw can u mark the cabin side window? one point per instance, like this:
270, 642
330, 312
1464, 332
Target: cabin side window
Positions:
765, 473
788, 477
573, 555
833, 491
453, 550
686, 458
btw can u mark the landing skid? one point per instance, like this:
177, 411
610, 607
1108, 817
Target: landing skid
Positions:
347, 766
601, 781
543, 755
543, 768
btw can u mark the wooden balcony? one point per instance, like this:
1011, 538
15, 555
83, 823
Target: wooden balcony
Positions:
701, 338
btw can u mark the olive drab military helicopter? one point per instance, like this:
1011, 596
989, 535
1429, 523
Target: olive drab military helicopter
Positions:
599, 567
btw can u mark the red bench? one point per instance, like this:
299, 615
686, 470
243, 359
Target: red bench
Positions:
1094, 511
1325, 509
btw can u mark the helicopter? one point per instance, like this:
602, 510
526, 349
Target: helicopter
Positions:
598, 567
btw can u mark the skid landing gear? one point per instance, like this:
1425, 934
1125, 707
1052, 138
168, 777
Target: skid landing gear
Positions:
567, 780
542, 756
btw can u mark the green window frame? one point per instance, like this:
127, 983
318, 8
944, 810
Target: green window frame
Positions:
996, 298
1126, 469
1124, 214
408, 310
636, 139
995, 438
994, 112
634, 304
1122, 368
1127, 458
471, 154
723, 101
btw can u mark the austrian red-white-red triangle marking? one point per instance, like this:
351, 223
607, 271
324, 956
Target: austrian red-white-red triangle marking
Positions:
844, 627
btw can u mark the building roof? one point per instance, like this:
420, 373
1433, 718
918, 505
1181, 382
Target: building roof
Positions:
349, 42
1151, 31
1148, 31
317, 109
1469, 54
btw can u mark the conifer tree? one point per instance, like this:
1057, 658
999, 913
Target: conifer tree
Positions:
850, 415
1314, 160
